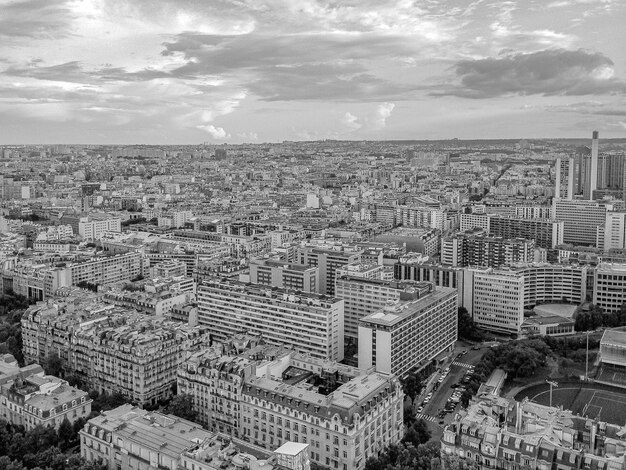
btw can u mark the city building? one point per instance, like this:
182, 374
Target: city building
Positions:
275, 273
94, 226
609, 286
35, 399
307, 322
129, 438
363, 295
327, 259
581, 219
344, 416
410, 332
495, 432
467, 249
497, 298
110, 348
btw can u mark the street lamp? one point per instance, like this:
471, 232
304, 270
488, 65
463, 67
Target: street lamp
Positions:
552, 383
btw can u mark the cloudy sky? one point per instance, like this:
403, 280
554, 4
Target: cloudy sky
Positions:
188, 71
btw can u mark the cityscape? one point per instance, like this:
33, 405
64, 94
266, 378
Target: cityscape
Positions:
312, 235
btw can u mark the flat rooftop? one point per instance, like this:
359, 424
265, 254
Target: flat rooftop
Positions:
614, 337
395, 314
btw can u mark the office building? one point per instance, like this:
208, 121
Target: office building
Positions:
498, 297
308, 323
275, 273
580, 219
409, 333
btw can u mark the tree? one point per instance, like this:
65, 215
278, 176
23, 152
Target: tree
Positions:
53, 365
65, 433
418, 433
412, 387
182, 406
466, 327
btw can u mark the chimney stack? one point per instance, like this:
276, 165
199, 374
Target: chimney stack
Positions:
557, 184
593, 174
570, 179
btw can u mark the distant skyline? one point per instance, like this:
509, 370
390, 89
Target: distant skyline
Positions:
222, 71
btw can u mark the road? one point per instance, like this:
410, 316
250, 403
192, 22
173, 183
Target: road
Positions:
439, 398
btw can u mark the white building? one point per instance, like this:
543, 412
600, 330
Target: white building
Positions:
308, 323
93, 228
409, 333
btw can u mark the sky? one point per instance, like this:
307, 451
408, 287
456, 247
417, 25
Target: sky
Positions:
232, 71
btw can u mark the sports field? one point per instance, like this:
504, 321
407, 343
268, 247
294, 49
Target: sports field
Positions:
592, 400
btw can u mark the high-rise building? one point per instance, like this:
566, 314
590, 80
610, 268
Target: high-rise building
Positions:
580, 219
308, 323
592, 182
363, 296
407, 334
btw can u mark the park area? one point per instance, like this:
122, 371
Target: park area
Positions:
596, 401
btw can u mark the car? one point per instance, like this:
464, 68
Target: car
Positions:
420, 409
446, 371
426, 400
476, 348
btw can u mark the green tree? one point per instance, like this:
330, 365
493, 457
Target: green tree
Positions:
66, 433
53, 365
418, 433
182, 406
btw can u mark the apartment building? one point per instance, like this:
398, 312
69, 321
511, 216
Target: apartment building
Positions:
32, 400
214, 378
547, 233
467, 249
129, 438
345, 417
409, 333
363, 295
298, 277
112, 349
495, 432
327, 260
94, 226
609, 286
421, 217
581, 219
309, 323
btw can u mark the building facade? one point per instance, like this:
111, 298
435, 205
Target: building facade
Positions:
408, 334
308, 323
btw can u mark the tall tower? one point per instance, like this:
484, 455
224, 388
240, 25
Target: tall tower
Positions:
557, 184
570, 179
593, 174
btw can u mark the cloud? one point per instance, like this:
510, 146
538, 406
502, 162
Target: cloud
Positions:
383, 112
218, 133
351, 121
38, 19
548, 72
